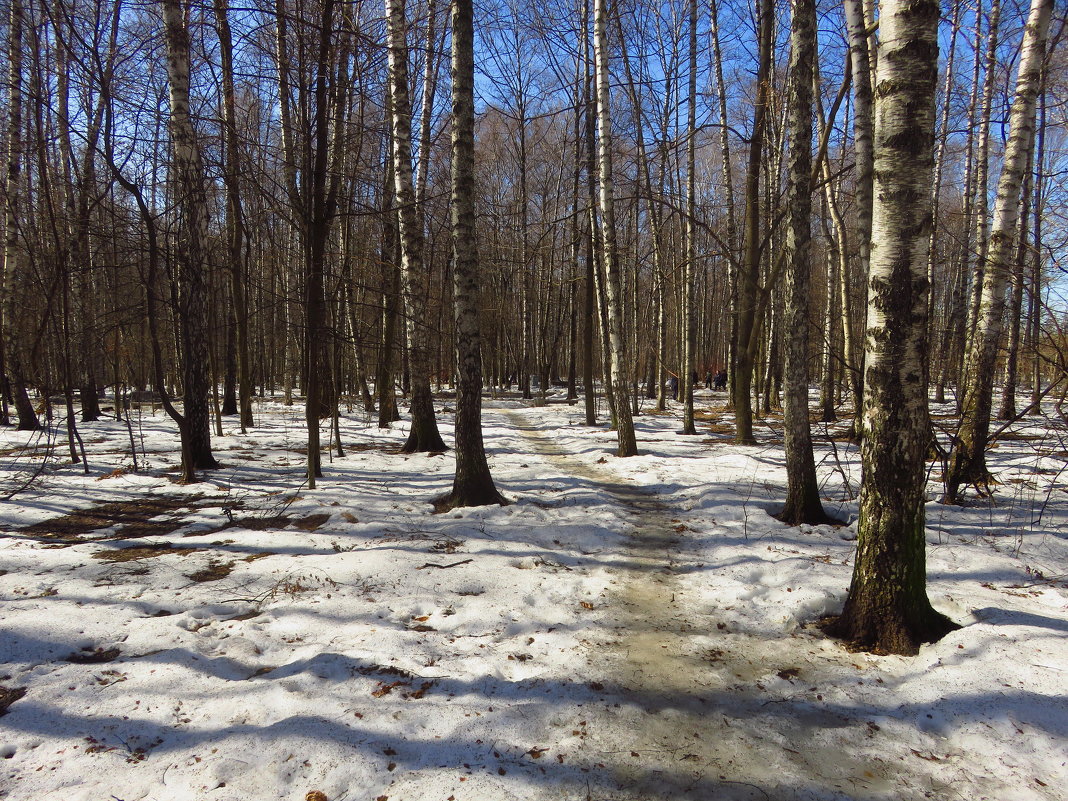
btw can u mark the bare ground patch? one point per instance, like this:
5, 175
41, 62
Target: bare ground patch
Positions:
133, 520
141, 552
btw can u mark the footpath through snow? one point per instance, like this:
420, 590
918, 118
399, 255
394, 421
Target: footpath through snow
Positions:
626, 629
687, 713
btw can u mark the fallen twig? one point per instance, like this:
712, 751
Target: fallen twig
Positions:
443, 567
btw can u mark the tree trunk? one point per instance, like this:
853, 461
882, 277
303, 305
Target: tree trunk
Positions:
12, 281
235, 216
1019, 264
749, 270
968, 461
627, 445
689, 313
1035, 294
887, 609
319, 204
473, 484
802, 492
982, 172
860, 51
423, 435
191, 195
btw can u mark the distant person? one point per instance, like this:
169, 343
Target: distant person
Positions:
673, 387
708, 380
720, 381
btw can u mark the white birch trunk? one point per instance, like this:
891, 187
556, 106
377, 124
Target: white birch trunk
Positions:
424, 434
613, 289
968, 462
887, 607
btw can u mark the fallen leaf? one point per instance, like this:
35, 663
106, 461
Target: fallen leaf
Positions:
315, 795
585, 605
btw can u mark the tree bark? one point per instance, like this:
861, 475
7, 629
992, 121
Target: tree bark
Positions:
860, 50
968, 461
749, 270
190, 192
689, 313
235, 216
982, 172
12, 281
802, 492
887, 609
473, 484
423, 435
627, 445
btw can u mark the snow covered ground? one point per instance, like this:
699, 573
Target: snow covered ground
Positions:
625, 629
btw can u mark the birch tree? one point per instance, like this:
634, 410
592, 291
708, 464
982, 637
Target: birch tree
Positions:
235, 217
187, 171
473, 484
627, 445
860, 51
968, 460
887, 609
423, 435
802, 493
748, 283
12, 283
689, 314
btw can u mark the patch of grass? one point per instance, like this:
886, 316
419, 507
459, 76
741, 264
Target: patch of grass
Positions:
213, 572
312, 522
141, 552
131, 518
258, 523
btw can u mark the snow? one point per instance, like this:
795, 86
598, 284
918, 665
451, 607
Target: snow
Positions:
625, 629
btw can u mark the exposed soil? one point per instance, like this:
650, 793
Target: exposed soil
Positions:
8, 696
91, 656
213, 572
141, 552
132, 519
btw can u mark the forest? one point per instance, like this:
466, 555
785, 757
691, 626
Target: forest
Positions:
589, 328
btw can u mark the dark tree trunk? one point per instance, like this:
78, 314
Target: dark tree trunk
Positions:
473, 484
802, 492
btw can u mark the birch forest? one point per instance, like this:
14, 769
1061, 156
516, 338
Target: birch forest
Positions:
574, 400
200, 202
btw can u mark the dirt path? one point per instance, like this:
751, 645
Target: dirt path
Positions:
696, 701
